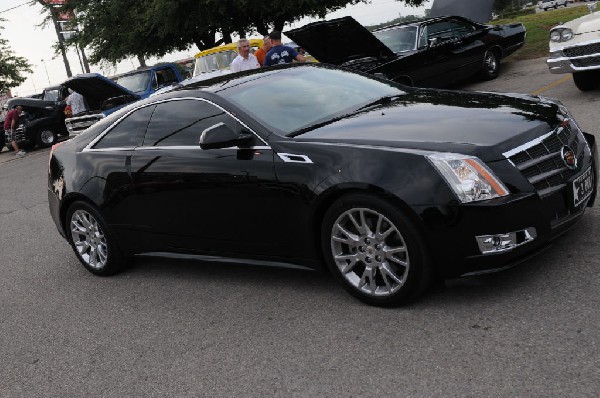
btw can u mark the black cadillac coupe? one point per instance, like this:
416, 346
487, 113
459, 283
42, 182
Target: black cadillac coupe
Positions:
388, 186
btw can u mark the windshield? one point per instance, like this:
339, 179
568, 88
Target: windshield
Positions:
215, 61
136, 82
403, 38
288, 100
50, 95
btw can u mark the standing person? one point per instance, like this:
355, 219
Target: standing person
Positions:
245, 60
280, 54
261, 52
10, 124
76, 102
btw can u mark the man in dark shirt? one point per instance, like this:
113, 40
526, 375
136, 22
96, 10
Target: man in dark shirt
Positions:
10, 124
280, 54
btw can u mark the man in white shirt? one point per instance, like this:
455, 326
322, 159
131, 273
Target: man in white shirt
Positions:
245, 60
76, 102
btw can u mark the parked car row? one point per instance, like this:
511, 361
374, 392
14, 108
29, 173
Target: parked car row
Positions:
548, 4
43, 119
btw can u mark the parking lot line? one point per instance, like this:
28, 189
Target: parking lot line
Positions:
551, 85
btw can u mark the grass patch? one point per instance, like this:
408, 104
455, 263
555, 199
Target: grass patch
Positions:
538, 29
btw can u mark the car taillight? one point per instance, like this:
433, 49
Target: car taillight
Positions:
52, 151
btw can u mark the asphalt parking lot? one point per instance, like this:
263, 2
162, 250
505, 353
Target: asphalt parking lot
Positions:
189, 329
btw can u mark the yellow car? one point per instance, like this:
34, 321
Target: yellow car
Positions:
219, 58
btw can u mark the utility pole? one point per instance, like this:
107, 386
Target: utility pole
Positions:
61, 42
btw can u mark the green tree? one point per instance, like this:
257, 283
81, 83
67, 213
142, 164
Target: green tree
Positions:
118, 29
12, 67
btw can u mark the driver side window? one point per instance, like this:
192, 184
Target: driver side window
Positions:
180, 123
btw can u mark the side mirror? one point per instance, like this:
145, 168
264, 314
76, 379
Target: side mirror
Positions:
221, 136
432, 42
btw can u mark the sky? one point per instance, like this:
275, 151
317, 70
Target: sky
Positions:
30, 40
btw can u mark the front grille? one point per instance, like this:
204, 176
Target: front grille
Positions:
588, 61
542, 163
579, 51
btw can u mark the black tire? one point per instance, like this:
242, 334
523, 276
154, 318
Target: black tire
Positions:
587, 81
46, 138
92, 241
490, 68
379, 270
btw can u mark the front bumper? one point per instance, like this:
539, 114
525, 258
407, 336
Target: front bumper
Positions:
575, 58
493, 235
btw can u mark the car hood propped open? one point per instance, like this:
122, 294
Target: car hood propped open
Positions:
339, 41
96, 88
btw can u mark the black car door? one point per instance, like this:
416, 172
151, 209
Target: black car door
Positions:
444, 51
215, 200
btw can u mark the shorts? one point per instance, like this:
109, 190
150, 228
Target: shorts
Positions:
10, 135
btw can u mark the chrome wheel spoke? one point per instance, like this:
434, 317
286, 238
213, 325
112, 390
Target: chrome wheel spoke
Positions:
367, 281
352, 238
388, 273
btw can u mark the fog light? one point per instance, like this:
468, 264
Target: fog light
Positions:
499, 243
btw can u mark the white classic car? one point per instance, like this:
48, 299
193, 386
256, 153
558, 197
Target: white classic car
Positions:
575, 48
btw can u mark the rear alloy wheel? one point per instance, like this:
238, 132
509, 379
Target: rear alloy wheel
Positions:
46, 138
587, 81
374, 251
92, 241
491, 65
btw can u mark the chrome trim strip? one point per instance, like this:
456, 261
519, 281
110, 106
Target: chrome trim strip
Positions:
221, 259
289, 158
502, 243
178, 147
575, 45
529, 144
89, 146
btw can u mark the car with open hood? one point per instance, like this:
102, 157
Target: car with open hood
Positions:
432, 52
575, 48
41, 122
102, 95
389, 187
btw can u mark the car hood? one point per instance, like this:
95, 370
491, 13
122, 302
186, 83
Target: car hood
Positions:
478, 11
339, 41
96, 88
479, 124
589, 23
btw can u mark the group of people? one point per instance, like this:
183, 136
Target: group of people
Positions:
272, 52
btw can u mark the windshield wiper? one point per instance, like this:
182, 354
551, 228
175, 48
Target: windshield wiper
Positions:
380, 101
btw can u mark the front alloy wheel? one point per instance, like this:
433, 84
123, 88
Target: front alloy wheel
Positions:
92, 241
374, 251
370, 252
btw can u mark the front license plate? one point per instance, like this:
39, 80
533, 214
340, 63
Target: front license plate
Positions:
583, 187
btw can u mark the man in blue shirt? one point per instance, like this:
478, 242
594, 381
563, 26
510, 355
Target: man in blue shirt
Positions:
280, 54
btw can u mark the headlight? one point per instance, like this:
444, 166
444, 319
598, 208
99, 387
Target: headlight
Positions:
561, 34
470, 179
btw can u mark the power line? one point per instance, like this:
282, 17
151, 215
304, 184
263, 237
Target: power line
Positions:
12, 8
